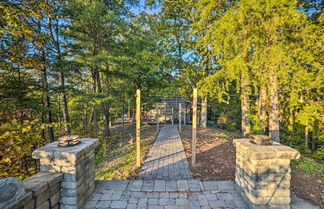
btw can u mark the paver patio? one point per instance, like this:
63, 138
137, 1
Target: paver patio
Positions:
166, 182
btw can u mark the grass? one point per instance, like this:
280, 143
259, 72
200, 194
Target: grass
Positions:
116, 157
308, 165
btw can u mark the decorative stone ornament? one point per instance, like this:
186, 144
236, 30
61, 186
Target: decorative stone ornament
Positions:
67, 141
261, 139
11, 189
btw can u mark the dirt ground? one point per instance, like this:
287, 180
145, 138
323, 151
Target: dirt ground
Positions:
215, 160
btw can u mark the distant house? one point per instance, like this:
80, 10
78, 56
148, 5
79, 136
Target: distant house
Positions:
167, 106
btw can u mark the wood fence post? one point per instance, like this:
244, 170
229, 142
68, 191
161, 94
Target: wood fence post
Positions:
138, 128
157, 121
194, 127
180, 110
184, 114
165, 114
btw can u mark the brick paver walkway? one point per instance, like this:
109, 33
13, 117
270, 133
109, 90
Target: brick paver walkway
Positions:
165, 194
166, 159
165, 182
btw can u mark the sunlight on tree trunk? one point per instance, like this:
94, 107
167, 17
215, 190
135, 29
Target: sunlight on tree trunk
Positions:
194, 127
274, 109
262, 107
138, 128
245, 104
204, 112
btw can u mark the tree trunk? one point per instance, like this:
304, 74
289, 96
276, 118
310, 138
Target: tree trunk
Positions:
56, 42
262, 107
128, 110
95, 124
65, 107
105, 108
245, 104
313, 141
44, 84
306, 138
274, 109
204, 112
46, 100
84, 114
96, 89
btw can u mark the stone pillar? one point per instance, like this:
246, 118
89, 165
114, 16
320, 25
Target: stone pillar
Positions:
78, 166
262, 173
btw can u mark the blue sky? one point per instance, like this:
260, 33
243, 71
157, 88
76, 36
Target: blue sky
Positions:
142, 8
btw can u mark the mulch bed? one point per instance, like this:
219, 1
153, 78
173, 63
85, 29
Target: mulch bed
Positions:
215, 160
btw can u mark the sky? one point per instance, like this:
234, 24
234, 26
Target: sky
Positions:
142, 8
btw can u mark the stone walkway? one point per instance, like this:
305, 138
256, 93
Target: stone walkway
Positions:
166, 182
165, 194
166, 159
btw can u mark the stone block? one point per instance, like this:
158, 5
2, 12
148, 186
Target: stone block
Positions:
63, 206
19, 203
72, 154
55, 199
54, 189
44, 205
41, 181
42, 197
68, 200
279, 192
11, 190
57, 206
71, 169
36, 186
279, 201
50, 168
30, 204
284, 152
71, 185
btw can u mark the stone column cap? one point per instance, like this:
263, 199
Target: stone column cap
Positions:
52, 150
276, 150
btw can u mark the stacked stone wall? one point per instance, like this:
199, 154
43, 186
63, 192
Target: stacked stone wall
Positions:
263, 174
77, 165
42, 192
66, 180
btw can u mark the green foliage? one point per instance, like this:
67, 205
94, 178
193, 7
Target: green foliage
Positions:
308, 165
117, 158
319, 154
101, 150
17, 141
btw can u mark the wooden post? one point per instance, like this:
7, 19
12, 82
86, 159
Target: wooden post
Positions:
165, 109
157, 121
138, 128
172, 116
180, 109
194, 127
184, 115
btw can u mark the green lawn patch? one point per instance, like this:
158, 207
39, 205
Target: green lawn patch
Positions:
116, 157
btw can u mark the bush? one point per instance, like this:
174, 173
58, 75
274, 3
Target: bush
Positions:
308, 165
17, 141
